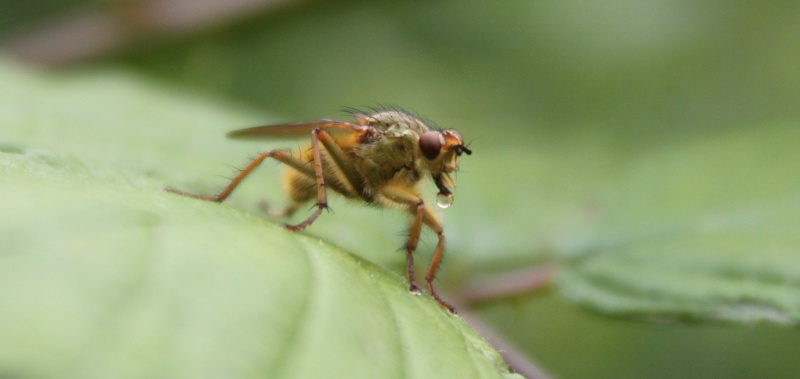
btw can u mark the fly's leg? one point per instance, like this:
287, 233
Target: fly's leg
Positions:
340, 176
422, 215
437, 258
411, 247
278, 155
349, 184
347, 187
322, 196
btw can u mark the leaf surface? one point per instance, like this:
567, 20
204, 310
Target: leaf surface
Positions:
107, 275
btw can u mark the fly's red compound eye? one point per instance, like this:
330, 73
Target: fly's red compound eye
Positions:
430, 144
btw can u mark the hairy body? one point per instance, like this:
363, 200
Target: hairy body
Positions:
381, 159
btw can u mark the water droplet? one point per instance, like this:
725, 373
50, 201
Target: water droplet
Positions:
444, 200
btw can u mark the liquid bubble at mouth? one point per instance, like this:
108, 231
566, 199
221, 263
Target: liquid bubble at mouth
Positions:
444, 200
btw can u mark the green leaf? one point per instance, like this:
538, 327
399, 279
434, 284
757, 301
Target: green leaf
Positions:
700, 230
653, 165
103, 274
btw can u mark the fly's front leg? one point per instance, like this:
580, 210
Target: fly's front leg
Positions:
432, 223
422, 215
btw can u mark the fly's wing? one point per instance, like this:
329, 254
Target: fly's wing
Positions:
282, 131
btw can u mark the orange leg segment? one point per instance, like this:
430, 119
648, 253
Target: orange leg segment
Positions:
288, 159
422, 215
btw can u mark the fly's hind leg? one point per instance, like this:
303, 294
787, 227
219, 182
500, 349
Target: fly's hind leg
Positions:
281, 156
278, 155
422, 215
347, 186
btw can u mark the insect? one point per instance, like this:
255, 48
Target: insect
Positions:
381, 159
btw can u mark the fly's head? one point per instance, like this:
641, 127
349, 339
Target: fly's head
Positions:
441, 150
438, 150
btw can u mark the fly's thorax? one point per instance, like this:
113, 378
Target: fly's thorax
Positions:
391, 159
395, 123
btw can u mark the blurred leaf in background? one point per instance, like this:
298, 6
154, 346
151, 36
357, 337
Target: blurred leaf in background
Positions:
646, 148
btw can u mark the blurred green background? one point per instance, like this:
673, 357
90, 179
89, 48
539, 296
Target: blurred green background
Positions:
600, 79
